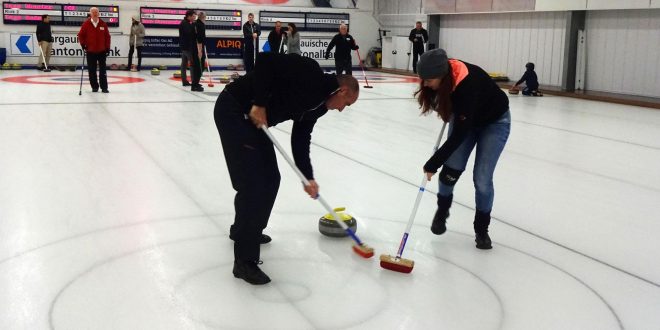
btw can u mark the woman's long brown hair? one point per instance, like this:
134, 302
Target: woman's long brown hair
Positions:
440, 100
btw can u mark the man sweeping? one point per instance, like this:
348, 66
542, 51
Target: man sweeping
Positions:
280, 88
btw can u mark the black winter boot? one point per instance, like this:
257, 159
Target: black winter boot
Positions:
264, 239
439, 225
250, 272
481, 223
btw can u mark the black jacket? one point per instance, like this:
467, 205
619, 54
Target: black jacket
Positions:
247, 35
291, 87
200, 31
476, 102
187, 37
43, 32
422, 37
530, 79
276, 42
344, 46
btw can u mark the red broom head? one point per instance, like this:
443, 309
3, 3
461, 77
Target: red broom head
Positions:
400, 265
363, 250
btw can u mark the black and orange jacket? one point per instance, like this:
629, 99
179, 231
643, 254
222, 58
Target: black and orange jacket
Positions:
476, 102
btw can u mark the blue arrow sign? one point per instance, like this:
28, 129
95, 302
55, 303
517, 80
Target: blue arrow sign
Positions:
21, 44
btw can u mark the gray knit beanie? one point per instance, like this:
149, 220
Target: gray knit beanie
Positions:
433, 64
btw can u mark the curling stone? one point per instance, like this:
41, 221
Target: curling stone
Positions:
6, 66
16, 66
240, 67
231, 67
225, 80
133, 68
177, 74
235, 76
329, 227
114, 67
162, 67
514, 91
155, 72
123, 67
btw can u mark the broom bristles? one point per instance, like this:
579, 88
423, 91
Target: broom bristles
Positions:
363, 250
400, 265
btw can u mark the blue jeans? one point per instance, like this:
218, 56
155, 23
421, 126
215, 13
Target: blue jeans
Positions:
489, 141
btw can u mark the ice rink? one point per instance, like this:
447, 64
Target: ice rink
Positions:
115, 211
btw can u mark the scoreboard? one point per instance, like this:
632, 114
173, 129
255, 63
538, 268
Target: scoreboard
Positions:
68, 15
318, 22
75, 15
30, 13
325, 22
216, 19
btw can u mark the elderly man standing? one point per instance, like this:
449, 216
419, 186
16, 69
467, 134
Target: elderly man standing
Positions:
94, 37
345, 43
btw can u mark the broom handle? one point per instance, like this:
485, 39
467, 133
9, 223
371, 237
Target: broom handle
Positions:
208, 62
43, 57
306, 183
360, 61
422, 188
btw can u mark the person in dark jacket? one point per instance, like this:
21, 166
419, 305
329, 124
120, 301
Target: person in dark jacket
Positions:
280, 88
478, 114
418, 36
94, 37
344, 43
200, 34
531, 82
276, 38
189, 52
251, 33
45, 39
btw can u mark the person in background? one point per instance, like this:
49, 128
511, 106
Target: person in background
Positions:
477, 110
344, 43
280, 88
45, 39
276, 39
251, 33
531, 82
94, 37
136, 41
292, 38
188, 45
200, 33
418, 36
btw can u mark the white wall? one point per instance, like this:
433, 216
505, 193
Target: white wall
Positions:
364, 26
399, 16
623, 51
504, 42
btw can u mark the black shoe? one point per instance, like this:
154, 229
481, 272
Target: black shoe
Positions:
439, 225
186, 84
94, 90
198, 88
264, 239
483, 241
105, 91
249, 271
481, 223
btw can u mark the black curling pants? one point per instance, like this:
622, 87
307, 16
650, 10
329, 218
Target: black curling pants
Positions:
254, 174
344, 65
417, 53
